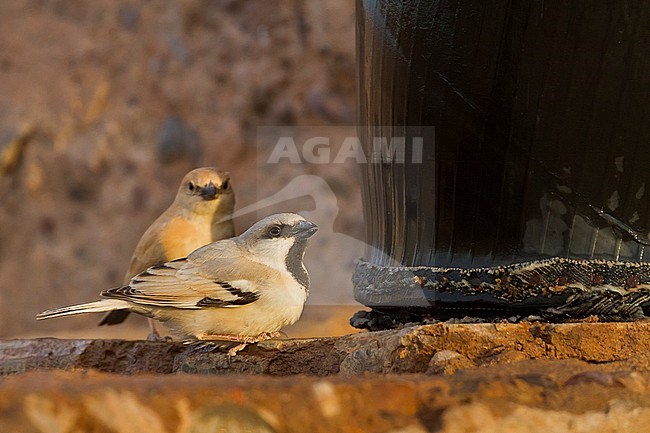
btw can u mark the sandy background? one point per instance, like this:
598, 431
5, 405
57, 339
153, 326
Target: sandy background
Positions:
106, 104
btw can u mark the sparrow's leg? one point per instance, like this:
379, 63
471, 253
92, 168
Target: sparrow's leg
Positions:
217, 342
248, 340
244, 340
239, 338
224, 337
270, 335
233, 350
154, 335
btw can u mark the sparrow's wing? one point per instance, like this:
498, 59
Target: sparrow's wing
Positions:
148, 253
211, 279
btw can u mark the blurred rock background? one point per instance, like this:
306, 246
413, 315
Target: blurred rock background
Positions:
107, 103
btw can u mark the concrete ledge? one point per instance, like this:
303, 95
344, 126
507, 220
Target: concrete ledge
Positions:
439, 348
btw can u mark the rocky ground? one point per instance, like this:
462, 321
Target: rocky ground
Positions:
577, 377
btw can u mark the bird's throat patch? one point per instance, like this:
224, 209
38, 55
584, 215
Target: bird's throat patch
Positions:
295, 265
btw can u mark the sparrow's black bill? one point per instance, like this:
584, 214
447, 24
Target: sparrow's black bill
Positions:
305, 229
208, 192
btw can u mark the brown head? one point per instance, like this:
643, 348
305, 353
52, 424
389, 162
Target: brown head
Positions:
206, 190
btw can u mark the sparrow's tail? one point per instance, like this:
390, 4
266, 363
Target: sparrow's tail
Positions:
91, 307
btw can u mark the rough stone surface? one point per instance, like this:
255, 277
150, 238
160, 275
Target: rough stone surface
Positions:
578, 377
439, 348
448, 362
492, 401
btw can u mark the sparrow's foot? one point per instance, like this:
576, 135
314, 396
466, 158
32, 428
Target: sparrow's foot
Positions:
205, 346
159, 338
233, 350
270, 335
248, 339
200, 346
154, 335
224, 337
243, 340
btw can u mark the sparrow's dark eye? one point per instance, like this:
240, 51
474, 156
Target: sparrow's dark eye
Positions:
225, 185
190, 186
275, 231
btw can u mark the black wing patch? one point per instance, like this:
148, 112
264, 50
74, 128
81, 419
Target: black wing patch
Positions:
241, 297
125, 293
